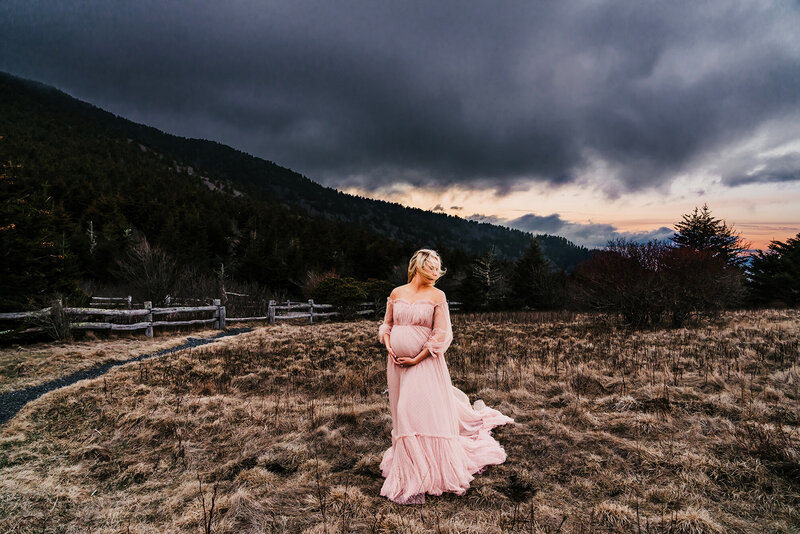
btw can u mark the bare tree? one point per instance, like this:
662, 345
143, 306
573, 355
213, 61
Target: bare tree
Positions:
151, 272
488, 273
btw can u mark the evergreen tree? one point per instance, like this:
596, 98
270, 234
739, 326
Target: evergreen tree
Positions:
35, 262
775, 275
701, 231
532, 280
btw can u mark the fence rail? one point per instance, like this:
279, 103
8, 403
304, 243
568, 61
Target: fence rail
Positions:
300, 309
116, 302
146, 314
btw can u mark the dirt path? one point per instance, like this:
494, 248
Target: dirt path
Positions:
12, 402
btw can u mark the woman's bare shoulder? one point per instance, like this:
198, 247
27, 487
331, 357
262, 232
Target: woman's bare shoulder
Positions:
403, 292
397, 292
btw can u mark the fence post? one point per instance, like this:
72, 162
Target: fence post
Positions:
217, 303
148, 305
222, 317
130, 302
310, 311
271, 312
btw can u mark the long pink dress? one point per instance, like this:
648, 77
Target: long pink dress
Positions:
439, 441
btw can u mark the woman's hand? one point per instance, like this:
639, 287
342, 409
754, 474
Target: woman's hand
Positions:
405, 361
392, 353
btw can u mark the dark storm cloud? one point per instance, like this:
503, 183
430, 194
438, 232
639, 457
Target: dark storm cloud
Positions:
785, 168
479, 94
592, 235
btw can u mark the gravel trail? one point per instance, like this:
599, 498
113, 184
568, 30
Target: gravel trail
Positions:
13, 401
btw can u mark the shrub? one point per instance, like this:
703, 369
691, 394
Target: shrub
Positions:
698, 282
651, 282
54, 322
151, 273
344, 293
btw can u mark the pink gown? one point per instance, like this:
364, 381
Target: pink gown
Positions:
439, 441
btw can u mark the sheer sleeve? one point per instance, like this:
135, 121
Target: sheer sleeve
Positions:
442, 335
388, 320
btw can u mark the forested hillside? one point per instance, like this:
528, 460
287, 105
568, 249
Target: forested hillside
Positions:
80, 186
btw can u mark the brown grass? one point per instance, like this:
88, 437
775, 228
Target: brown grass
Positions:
28, 365
688, 430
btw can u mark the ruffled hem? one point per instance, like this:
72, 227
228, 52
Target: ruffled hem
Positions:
415, 464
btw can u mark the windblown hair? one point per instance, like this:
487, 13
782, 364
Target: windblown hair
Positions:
424, 259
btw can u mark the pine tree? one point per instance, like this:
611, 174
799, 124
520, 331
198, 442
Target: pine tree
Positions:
775, 275
532, 280
35, 262
701, 231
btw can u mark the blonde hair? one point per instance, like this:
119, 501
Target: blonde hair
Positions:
423, 258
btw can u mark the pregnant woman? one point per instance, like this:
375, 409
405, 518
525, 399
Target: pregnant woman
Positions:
439, 441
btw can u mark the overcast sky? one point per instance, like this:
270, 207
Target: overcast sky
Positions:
587, 119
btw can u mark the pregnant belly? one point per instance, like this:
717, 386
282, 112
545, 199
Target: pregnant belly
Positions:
407, 339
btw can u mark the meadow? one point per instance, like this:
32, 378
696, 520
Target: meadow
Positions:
282, 429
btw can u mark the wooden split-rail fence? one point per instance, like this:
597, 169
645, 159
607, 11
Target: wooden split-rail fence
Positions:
299, 310
121, 314
145, 318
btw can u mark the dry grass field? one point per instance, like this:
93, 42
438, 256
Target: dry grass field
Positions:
282, 430
28, 365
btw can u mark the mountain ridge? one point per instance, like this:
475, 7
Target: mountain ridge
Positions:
52, 112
